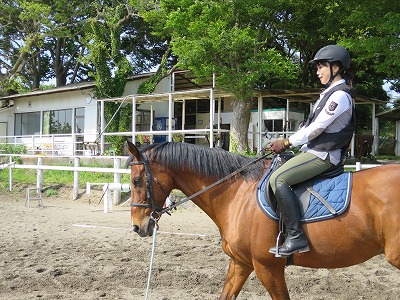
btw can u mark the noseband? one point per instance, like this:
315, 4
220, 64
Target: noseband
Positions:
150, 201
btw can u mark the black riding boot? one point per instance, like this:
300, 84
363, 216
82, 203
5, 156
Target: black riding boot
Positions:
295, 241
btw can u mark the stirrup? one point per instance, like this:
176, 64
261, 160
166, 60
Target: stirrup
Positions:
276, 252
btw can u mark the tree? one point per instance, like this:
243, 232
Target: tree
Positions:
112, 54
20, 39
251, 44
233, 39
41, 41
373, 34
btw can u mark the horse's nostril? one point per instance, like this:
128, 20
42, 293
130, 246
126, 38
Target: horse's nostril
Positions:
135, 228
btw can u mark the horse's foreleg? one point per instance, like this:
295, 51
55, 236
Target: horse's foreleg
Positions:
272, 276
235, 279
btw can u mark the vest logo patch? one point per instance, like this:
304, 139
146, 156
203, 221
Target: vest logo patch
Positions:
332, 106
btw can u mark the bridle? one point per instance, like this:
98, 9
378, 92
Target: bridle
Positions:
157, 211
150, 201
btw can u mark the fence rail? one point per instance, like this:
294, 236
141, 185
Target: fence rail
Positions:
76, 168
116, 170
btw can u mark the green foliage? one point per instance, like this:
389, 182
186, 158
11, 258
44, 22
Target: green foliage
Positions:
51, 192
374, 39
111, 67
13, 149
249, 44
228, 39
149, 85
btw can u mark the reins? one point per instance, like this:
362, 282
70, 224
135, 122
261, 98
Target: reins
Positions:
156, 215
184, 200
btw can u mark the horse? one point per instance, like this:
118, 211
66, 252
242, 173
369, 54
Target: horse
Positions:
367, 228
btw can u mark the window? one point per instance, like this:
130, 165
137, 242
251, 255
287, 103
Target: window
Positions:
274, 125
27, 123
57, 121
79, 119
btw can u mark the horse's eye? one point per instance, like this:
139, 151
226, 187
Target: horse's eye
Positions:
137, 182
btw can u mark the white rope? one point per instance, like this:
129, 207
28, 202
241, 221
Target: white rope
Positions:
151, 261
112, 118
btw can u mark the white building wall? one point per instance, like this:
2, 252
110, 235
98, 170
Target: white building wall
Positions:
7, 120
90, 132
132, 86
160, 109
71, 99
60, 101
56, 101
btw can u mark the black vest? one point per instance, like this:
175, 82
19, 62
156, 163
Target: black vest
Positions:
337, 140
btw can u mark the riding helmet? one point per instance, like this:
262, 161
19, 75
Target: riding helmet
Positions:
333, 53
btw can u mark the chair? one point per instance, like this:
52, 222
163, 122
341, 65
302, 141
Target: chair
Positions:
37, 196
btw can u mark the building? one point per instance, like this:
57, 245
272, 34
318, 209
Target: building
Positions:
70, 121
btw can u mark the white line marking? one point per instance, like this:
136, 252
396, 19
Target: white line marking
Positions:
127, 229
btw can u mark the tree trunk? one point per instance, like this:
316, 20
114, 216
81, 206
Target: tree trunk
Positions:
240, 125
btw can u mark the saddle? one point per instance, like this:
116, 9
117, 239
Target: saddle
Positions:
322, 197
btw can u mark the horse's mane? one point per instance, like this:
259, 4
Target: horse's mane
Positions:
211, 162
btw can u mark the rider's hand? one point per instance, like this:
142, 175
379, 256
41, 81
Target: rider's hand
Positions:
279, 146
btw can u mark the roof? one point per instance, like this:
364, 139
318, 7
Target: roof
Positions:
310, 96
393, 114
187, 88
66, 88
193, 94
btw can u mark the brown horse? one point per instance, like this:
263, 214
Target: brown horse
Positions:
370, 226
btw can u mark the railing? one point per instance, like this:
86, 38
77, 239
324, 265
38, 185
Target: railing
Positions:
77, 144
116, 170
40, 167
53, 145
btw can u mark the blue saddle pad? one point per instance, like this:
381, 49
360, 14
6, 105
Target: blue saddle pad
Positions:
336, 191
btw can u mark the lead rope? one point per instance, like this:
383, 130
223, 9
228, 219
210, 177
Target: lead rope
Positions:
157, 217
153, 248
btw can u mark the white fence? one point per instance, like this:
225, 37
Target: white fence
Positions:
40, 167
117, 186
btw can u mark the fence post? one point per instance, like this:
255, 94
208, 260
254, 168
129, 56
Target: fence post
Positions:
76, 179
117, 180
358, 166
39, 175
108, 206
10, 160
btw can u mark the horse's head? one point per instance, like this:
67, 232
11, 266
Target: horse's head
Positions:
149, 190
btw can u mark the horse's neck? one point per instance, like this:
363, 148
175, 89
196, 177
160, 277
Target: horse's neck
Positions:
190, 183
210, 200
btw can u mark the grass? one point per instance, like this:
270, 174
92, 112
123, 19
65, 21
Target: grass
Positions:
388, 157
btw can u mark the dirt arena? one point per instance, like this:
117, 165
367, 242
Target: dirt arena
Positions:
73, 250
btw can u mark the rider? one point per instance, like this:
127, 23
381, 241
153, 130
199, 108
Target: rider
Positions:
324, 141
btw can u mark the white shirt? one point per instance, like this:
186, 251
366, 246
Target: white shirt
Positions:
335, 115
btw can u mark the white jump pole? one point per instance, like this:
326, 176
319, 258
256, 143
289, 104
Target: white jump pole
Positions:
107, 188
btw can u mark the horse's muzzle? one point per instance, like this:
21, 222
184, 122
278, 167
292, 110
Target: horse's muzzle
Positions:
146, 230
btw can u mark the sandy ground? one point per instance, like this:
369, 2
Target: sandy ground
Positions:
73, 250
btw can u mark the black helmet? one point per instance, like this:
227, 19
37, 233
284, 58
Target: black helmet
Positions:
332, 53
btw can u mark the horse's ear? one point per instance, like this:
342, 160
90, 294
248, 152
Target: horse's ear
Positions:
133, 150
